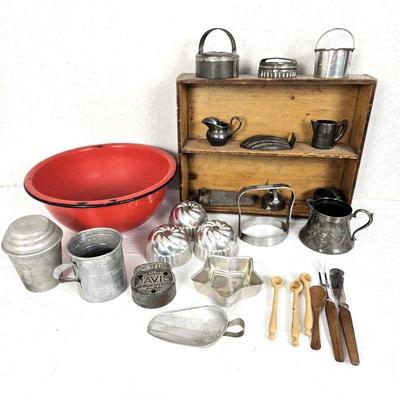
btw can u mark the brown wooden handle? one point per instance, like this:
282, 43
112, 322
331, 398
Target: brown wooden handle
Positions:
349, 335
315, 338
333, 324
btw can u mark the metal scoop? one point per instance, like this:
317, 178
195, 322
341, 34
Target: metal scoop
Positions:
199, 326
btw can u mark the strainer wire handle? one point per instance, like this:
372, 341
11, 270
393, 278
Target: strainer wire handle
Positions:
276, 186
336, 29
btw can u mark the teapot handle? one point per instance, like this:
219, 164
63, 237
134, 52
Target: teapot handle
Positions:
203, 39
341, 129
237, 118
370, 219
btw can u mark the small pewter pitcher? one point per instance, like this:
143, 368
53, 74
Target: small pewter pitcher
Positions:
219, 132
328, 227
327, 132
97, 262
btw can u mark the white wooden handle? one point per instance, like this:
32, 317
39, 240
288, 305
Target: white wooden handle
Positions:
295, 321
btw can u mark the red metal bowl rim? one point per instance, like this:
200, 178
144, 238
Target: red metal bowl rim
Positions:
33, 192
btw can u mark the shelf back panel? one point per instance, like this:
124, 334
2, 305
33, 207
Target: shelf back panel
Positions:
271, 109
227, 172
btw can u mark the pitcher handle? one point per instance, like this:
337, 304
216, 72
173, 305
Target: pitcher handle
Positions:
336, 29
341, 129
58, 273
235, 118
235, 322
370, 219
203, 39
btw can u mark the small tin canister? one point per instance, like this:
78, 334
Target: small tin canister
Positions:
217, 64
153, 285
33, 244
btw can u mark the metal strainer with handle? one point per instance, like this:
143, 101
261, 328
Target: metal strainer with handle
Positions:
265, 230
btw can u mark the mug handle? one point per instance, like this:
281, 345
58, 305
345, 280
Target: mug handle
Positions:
237, 118
58, 273
341, 129
370, 219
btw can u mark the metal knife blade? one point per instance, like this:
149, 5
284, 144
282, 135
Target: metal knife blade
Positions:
336, 276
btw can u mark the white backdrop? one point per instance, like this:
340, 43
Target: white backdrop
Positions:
77, 72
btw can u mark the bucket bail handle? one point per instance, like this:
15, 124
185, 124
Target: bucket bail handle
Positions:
203, 39
336, 29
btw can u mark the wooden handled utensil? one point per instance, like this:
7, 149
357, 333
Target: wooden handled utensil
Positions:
318, 299
333, 320
296, 287
308, 320
337, 281
277, 282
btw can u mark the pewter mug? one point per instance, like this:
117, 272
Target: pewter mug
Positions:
327, 132
328, 227
219, 132
97, 262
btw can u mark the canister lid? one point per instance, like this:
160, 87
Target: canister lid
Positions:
278, 63
217, 56
153, 285
30, 235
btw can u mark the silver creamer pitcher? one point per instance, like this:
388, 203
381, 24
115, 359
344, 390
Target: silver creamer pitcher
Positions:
328, 227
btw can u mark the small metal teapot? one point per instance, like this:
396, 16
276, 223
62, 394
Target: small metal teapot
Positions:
328, 227
219, 132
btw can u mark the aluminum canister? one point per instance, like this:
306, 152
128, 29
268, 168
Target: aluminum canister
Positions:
33, 244
217, 64
97, 262
332, 62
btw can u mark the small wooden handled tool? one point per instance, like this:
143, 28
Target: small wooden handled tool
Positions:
277, 282
308, 319
333, 324
296, 287
318, 299
333, 320
337, 282
349, 335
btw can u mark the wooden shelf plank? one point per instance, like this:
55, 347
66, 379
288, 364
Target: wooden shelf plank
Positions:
202, 146
361, 79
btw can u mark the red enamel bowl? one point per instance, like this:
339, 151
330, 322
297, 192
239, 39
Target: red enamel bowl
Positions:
117, 185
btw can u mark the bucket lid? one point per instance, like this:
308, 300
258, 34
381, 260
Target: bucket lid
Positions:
31, 234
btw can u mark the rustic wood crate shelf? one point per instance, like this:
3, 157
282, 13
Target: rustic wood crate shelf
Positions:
276, 107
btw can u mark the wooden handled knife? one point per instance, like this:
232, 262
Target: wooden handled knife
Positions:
337, 280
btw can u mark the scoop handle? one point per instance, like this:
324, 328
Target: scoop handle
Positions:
295, 331
333, 324
349, 335
273, 319
315, 337
235, 322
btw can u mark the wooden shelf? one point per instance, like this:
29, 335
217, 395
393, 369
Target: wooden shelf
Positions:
276, 107
361, 79
202, 146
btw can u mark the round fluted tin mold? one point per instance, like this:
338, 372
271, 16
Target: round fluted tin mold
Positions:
215, 238
188, 215
168, 244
